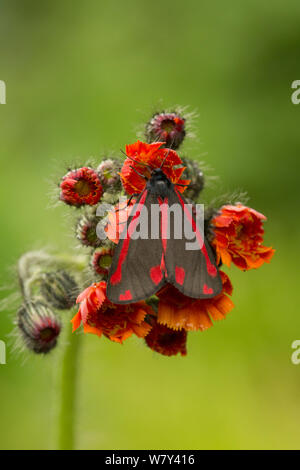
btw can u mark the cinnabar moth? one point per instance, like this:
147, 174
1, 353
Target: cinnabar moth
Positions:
140, 267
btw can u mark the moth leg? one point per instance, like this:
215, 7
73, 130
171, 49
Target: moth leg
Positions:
128, 202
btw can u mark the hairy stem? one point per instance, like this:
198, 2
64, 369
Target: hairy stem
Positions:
68, 370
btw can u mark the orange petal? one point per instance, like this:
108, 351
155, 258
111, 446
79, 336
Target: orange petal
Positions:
76, 321
225, 257
227, 286
120, 337
141, 330
137, 316
224, 304
181, 189
166, 315
196, 318
84, 294
92, 329
215, 313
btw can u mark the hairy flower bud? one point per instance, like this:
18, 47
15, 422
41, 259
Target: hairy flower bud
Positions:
59, 289
108, 172
81, 186
39, 327
86, 230
193, 173
166, 127
101, 260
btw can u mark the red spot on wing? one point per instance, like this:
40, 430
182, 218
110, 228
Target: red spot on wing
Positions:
207, 290
179, 275
126, 296
156, 274
117, 275
211, 269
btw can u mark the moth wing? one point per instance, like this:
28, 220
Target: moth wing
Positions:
192, 271
135, 273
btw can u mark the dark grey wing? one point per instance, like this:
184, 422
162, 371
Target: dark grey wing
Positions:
190, 264
136, 271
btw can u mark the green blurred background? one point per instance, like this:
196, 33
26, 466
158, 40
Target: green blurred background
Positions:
81, 77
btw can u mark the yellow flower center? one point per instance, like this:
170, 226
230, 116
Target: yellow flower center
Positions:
105, 261
82, 188
168, 125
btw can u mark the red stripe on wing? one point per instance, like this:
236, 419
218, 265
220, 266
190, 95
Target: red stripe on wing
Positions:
211, 269
117, 275
164, 208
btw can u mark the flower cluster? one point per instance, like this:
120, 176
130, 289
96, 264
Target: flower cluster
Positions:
49, 288
239, 236
235, 234
117, 322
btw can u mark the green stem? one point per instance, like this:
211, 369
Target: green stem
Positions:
68, 369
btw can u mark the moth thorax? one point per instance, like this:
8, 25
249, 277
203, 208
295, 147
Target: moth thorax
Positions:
160, 187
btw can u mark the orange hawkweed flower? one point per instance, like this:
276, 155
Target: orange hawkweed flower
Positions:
116, 322
135, 170
166, 341
178, 311
81, 186
238, 237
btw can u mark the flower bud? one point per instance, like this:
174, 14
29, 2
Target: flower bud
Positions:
108, 172
39, 327
59, 289
153, 301
193, 173
112, 197
81, 186
165, 340
166, 127
86, 230
101, 260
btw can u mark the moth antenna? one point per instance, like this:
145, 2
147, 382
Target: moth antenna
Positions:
140, 174
162, 163
136, 161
